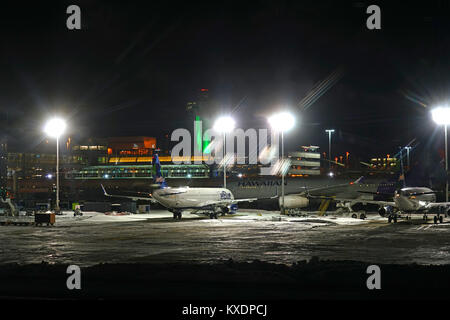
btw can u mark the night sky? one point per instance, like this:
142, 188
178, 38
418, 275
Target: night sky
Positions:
134, 66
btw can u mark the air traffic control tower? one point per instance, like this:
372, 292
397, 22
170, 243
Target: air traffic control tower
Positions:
200, 110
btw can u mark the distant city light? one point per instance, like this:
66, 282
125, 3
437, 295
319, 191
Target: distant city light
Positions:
331, 174
106, 176
441, 115
224, 124
49, 176
55, 127
239, 175
283, 121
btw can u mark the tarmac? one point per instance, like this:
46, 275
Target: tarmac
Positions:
245, 237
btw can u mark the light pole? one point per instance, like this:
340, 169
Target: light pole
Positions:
407, 156
224, 125
282, 122
329, 131
54, 128
441, 115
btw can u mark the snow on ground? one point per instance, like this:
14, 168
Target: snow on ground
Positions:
255, 214
243, 215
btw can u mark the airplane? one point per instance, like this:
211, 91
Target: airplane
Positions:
212, 201
301, 199
408, 201
352, 192
412, 200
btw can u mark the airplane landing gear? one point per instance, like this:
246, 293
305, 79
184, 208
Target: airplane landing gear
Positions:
360, 214
392, 217
177, 215
224, 211
438, 218
213, 215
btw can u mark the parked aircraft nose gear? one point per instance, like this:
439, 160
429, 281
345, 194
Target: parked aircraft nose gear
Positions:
225, 210
177, 215
438, 218
213, 215
392, 217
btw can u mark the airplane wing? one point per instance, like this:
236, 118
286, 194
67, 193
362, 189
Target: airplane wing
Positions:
363, 201
212, 203
134, 198
437, 205
336, 186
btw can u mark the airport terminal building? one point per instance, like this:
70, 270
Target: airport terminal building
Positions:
125, 163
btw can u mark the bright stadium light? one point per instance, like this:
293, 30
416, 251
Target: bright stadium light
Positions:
54, 128
282, 122
224, 125
441, 115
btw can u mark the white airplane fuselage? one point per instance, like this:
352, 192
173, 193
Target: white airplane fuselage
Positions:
188, 198
410, 199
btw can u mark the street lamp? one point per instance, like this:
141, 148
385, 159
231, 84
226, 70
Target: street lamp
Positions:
441, 115
282, 122
55, 128
329, 131
224, 125
407, 156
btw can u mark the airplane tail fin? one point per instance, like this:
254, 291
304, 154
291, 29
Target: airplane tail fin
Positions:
157, 175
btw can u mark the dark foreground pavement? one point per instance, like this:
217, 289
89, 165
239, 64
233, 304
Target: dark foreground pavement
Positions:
228, 280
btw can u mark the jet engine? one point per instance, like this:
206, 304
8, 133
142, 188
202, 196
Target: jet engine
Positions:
385, 211
294, 201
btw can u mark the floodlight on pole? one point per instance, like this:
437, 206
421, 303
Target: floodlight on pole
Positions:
54, 128
224, 125
441, 115
408, 149
329, 131
281, 122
